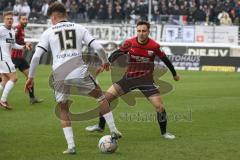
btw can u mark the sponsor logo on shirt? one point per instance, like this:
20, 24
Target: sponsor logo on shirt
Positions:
140, 59
150, 53
10, 40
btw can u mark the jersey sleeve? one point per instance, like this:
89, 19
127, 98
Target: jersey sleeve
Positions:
87, 37
42, 47
34, 62
125, 46
44, 42
159, 52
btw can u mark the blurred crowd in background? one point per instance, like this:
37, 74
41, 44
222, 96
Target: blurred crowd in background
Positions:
219, 12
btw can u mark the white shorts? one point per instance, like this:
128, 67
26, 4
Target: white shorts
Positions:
7, 67
77, 86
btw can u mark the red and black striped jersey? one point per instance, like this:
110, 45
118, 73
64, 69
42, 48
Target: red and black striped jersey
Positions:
141, 56
20, 35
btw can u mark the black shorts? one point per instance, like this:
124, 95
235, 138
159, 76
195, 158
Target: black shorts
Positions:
20, 63
144, 84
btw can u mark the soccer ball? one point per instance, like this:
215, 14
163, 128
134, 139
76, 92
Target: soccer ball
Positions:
107, 145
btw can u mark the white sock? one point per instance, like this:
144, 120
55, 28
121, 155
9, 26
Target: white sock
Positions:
8, 87
110, 121
68, 133
1, 87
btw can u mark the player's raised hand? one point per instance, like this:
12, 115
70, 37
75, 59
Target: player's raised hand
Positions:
28, 85
28, 46
106, 66
176, 78
103, 67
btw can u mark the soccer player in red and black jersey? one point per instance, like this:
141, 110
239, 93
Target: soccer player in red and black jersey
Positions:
17, 55
142, 51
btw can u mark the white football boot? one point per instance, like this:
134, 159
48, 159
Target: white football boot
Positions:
168, 135
94, 128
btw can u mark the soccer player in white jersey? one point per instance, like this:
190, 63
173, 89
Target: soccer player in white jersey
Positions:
7, 68
65, 42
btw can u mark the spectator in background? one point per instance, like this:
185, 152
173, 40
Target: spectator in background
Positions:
74, 11
91, 12
102, 13
44, 8
228, 5
237, 9
37, 6
127, 11
143, 10
34, 16
156, 13
1, 6
25, 8
67, 4
110, 10
192, 6
117, 13
17, 8
212, 14
224, 18
9, 7
175, 10
234, 17
82, 9
199, 15
183, 10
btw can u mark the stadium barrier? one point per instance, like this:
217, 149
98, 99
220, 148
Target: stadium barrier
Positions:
193, 57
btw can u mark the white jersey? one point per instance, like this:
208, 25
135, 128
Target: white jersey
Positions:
7, 42
65, 41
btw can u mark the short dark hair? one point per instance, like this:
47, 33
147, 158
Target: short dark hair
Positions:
56, 7
7, 13
21, 15
143, 23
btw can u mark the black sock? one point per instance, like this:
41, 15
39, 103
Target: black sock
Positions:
101, 122
162, 121
31, 93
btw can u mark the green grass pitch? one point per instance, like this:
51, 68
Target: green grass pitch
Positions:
204, 114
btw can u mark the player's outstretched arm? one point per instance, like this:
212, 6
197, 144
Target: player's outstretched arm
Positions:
115, 55
33, 66
27, 46
35, 61
170, 66
100, 51
102, 55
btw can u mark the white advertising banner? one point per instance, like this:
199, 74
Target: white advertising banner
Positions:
188, 34
216, 34
175, 33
